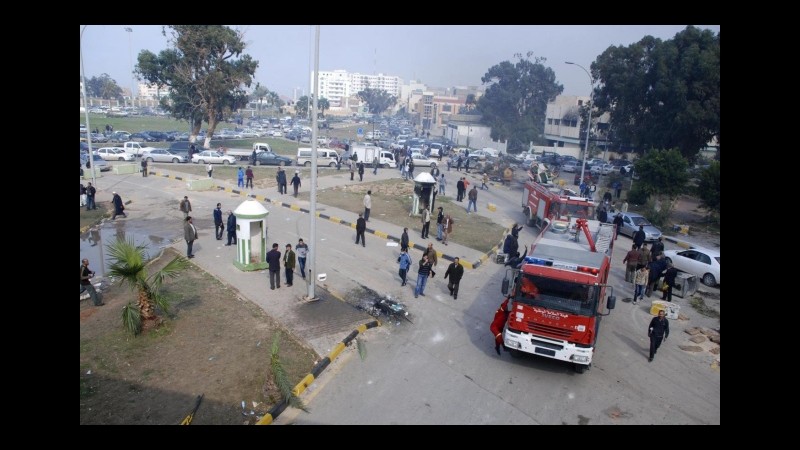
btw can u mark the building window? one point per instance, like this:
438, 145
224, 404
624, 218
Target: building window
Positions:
549, 120
556, 121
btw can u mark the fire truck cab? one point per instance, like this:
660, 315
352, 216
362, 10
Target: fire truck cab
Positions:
558, 293
545, 201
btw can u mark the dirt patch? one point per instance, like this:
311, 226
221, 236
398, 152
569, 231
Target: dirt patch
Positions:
392, 201
212, 343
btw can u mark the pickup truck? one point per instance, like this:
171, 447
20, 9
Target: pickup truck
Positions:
135, 148
244, 154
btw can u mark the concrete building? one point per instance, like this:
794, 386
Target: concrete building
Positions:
563, 123
341, 87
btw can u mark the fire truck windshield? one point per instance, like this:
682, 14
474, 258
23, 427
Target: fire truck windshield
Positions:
580, 211
559, 295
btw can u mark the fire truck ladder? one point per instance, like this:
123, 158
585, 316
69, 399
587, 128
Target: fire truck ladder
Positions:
605, 235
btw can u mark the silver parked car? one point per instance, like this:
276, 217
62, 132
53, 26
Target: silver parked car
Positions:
630, 225
164, 155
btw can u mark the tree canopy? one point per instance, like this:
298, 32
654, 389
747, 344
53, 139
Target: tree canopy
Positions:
103, 87
708, 187
514, 104
206, 71
377, 99
662, 94
662, 172
302, 107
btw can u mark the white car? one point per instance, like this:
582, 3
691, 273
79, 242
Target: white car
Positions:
212, 157
114, 154
699, 261
421, 161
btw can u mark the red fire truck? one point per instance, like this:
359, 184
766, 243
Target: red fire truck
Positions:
558, 293
545, 201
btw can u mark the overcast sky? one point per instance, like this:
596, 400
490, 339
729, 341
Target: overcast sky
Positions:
437, 55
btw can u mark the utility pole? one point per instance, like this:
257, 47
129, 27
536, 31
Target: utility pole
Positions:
130, 58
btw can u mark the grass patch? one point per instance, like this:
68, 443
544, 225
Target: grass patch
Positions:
93, 217
391, 202
700, 306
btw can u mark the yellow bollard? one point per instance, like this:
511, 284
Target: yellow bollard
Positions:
492, 207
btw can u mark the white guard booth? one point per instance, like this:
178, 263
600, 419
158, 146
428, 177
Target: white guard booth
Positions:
424, 193
251, 236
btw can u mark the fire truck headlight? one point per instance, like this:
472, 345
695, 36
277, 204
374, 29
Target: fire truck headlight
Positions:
513, 344
580, 358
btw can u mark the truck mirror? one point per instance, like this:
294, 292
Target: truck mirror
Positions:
505, 285
612, 301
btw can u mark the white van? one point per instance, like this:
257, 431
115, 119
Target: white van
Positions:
325, 157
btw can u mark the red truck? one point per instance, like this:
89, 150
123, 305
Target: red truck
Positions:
557, 295
545, 201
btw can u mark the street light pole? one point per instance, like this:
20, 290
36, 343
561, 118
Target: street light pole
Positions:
589, 117
130, 58
86, 113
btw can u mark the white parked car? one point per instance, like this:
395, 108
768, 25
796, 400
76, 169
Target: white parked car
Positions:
212, 157
421, 161
699, 261
114, 154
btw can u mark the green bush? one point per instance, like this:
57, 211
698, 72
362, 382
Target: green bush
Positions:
637, 196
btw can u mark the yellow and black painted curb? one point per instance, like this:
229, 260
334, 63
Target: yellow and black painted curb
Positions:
276, 410
467, 264
678, 242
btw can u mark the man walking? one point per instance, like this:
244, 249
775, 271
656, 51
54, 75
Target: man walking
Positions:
426, 221
657, 331
86, 274
274, 263
249, 175
352, 168
219, 226
638, 237
361, 171
210, 170
405, 264
422, 276
447, 226
439, 224
367, 205
442, 184
231, 228
90, 192
455, 271
361, 227
404, 239
289, 264
185, 207
485, 180
375, 165
473, 199
631, 260
302, 254
119, 207
460, 190
617, 225
280, 177
190, 235
144, 167
296, 182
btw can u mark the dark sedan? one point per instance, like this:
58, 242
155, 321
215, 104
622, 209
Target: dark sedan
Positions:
267, 158
142, 137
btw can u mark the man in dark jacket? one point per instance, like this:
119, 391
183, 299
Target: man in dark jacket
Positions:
404, 240
119, 207
361, 171
618, 223
669, 279
657, 248
219, 225
274, 261
460, 190
657, 331
657, 268
638, 237
231, 228
361, 227
455, 271
281, 178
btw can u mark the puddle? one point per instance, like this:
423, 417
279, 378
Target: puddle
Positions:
152, 234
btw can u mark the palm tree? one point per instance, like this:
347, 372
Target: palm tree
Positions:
323, 104
259, 93
130, 266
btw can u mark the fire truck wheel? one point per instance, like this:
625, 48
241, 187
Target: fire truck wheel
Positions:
580, 368
530, 219
514, 352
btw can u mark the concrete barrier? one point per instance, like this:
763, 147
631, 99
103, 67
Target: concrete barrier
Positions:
125, 169
202, 184
87, 174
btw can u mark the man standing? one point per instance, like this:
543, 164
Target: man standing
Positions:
404, 240
83, 195
281, 179
657, 248
367, 205
90, 192
274, 262
439, 224
631, 261
219, 226
185, 207
296, 182
430, 252
190, 235
375, 165
460, 190
455, 271
289, 264
240, 177
657, 331
617, 225
638, 237
405, 263
210, 170
302, 253
447, 226
86, 274
231, 228
144, 167
485, 180
361, 227
249, 175
352, 168
442, 184
422, 276
119, 207
473, 199
410, 169
253, 158
426, 221
361, 171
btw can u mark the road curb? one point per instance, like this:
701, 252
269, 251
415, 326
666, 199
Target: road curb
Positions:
677, 242
276, 410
